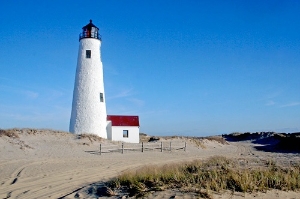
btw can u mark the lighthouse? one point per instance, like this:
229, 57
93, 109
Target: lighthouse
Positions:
89, 107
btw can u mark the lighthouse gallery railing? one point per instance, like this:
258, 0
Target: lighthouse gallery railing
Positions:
88, 34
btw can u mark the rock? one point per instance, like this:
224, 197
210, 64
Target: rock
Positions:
105, 191
153, 139
91, 190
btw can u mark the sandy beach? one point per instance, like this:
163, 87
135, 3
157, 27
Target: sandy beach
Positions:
51, 164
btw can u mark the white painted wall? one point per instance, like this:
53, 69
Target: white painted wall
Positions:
109, 130
88, 113
133, 132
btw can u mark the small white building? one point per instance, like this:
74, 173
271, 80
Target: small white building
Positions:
123, 128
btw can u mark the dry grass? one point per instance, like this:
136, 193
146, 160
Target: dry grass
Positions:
90, 137
15, 132
216, 174
143, 134
219, 139
9, 133
144, 137
198, 142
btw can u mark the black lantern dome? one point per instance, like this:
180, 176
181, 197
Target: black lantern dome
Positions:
90, 31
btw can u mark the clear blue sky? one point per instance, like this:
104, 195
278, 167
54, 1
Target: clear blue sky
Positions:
185, 67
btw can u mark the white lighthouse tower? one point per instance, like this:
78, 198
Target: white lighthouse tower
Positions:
88, 107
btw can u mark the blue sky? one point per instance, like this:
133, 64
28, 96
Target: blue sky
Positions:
185, 67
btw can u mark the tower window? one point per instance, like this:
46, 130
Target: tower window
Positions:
88, 53
125, 133
101, 97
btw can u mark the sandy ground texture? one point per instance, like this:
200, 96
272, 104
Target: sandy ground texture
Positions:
51, 164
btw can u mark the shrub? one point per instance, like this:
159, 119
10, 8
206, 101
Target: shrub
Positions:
9, 133
91, 137
217, 174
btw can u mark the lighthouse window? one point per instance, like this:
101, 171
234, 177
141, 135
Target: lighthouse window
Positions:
88, 53
101, 97
125, 133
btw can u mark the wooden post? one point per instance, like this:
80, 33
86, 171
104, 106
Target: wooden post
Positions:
122, 148
100, 149
185, 146
170, 146
161, 147
142, 147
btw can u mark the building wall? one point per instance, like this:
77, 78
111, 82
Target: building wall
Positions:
109, 130
133, 134
88, 112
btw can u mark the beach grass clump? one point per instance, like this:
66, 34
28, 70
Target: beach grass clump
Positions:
9, 133
216, 174
198, 142
90, 137
219, 139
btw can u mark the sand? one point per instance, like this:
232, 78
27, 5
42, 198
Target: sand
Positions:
51, 164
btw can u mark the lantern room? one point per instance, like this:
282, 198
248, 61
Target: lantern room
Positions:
90, 31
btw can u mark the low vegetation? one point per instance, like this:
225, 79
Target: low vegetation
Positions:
15, 132
219, 139
289, 142
144, 137
202, 177
90, 137
198, 142
8, 133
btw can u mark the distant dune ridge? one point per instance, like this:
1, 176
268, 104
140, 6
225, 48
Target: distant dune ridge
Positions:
43, 163
284, 142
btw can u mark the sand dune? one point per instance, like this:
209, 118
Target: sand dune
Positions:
51, 164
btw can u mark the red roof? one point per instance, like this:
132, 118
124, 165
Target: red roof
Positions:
123, 120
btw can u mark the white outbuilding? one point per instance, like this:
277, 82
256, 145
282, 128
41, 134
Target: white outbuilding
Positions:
123, 128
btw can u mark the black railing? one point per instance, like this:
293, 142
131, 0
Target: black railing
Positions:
95, 35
